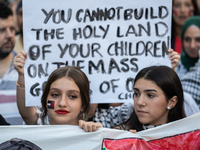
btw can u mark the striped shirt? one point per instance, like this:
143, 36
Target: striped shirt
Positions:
8, 106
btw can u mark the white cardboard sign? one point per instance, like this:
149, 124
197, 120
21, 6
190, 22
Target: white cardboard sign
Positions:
109, 40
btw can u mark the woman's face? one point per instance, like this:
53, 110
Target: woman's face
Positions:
64, 102
191, 41
150, 103
182, 10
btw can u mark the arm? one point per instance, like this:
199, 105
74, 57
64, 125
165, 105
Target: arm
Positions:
29, 114
174, 57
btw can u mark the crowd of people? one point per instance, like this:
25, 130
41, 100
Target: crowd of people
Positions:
161, 94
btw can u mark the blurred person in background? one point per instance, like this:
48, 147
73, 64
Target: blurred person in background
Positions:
188, 68
181, 11
191, 45
8, 74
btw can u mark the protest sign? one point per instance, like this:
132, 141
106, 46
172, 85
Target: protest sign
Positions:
181, 134
109, 40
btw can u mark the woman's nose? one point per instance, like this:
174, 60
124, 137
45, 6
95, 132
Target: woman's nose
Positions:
63, 101
141, 101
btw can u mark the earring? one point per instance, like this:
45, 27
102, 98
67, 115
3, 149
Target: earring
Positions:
168, 108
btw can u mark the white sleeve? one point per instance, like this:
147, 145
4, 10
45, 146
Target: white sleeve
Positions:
190, 106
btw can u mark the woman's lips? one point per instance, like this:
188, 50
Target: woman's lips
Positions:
61, 111
142, 112
182, 17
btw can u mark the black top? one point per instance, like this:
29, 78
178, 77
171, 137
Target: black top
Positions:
3, 121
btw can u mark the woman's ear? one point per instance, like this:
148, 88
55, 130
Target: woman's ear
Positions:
82, 109
172, 102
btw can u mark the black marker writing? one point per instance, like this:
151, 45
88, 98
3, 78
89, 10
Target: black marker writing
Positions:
57, 16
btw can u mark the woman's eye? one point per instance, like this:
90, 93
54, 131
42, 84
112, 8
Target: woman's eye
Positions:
54, 95
188, 5
72, 96
177, 5
136, 94
187, 39
150, 95
198, 39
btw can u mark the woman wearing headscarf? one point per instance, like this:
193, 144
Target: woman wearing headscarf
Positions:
190, 37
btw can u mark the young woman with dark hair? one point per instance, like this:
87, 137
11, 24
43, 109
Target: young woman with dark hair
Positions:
158, 99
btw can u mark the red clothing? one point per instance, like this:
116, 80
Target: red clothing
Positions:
178, 45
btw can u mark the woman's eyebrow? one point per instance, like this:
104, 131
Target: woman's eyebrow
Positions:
70, 91
136, 89
56, 89
148, 90
74, 91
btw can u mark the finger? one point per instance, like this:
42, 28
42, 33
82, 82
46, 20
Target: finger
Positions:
18, 63
91, 127
19, 59
99, 125
23, 52
170, 50
84, 127
94, 128
172, 53
22, 56
88, 126
174, 56
132, 131
80, 123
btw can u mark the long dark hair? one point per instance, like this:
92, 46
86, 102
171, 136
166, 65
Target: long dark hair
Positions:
81, 81
165, 78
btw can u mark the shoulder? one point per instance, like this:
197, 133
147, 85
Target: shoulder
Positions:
190, 106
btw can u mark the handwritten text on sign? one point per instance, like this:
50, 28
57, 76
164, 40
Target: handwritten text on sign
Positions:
110, 41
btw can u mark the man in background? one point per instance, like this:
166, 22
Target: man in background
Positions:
8, 74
